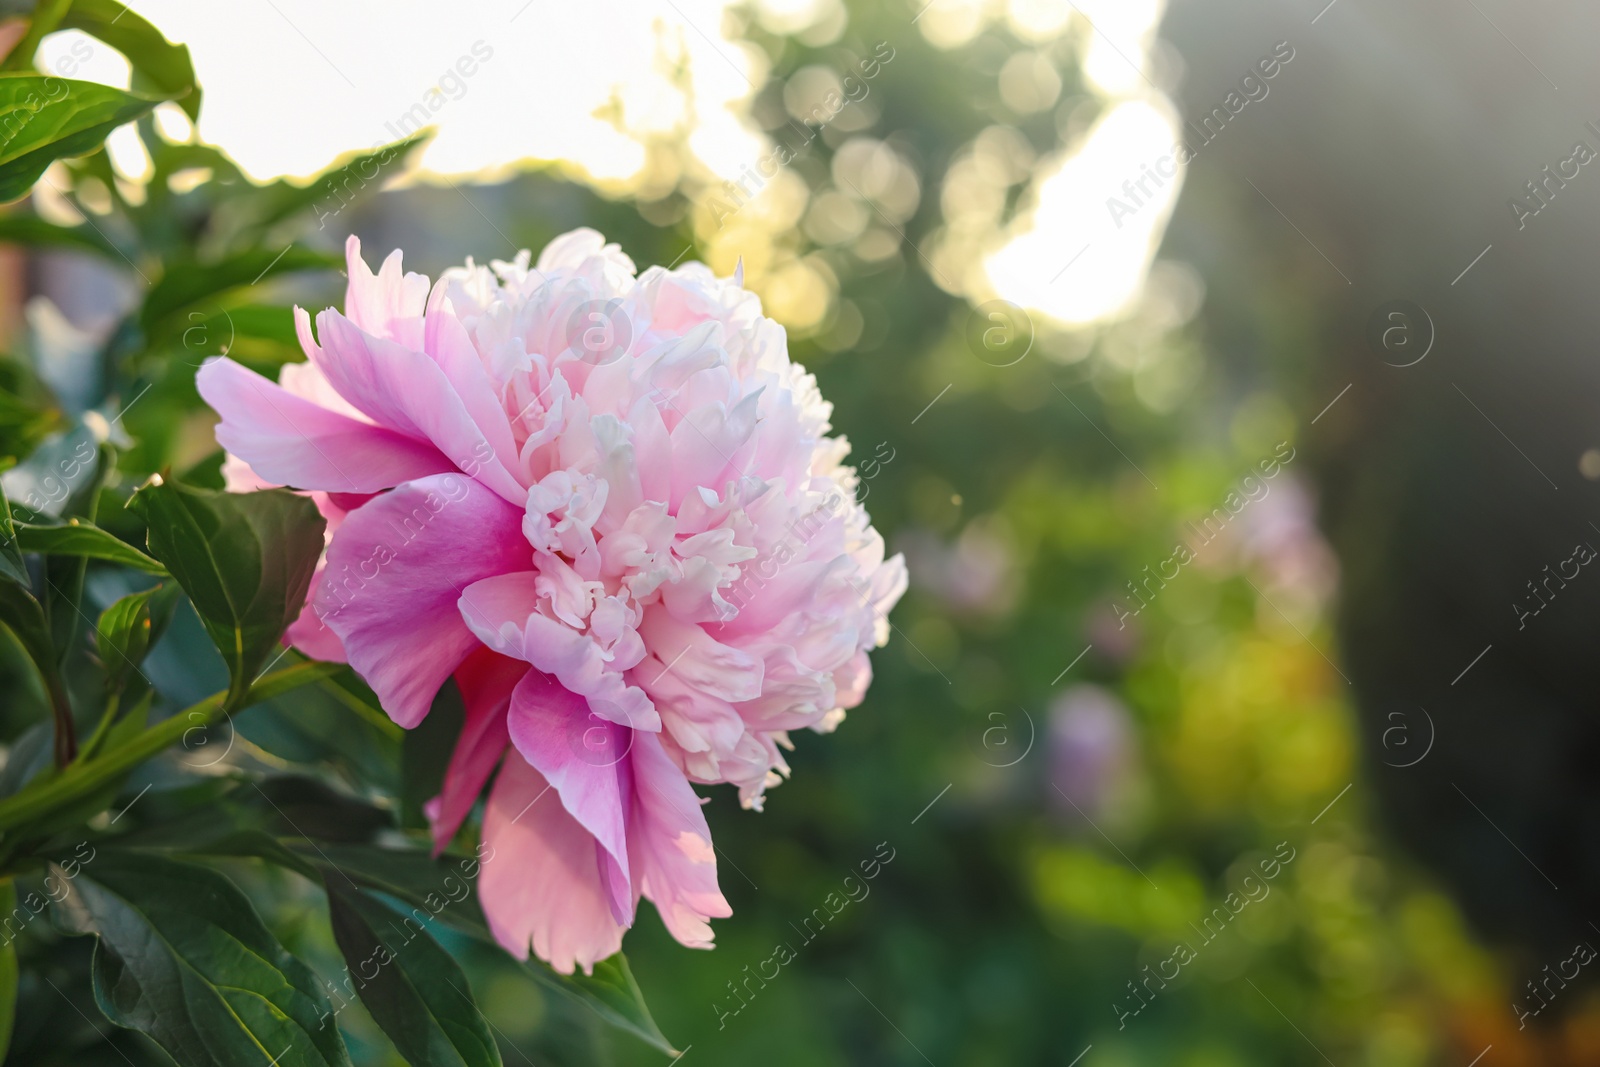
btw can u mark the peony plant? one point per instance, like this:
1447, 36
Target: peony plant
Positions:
609, 507
568, 540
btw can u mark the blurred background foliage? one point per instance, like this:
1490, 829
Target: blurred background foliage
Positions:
1067, 788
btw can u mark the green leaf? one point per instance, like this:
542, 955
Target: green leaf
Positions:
245, 559
157, 63
54, 792
411, 986
425, 754
129, 627
433, 884
45, 118
8, 967
76, 537
12, 567
186, 284
32, 230
25, 757
24, 617
184, 959
28, 413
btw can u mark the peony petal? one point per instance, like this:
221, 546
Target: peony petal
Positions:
540, 882
405, 390
394, 573
388, 305
704, 663
503, 612
670, 844
288, 440
585, 758
486, 681
451, 347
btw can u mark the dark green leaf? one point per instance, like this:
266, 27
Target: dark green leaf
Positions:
158, 65
21, 614
186, 284
32, 230
25, 757
257, 844
425, 753
44, 118
302, 806
287, 806
184, 959
245, 559
443, 887
78, 538
412, 987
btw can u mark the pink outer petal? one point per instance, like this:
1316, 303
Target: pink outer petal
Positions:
389, 304
486, 681
585, 758
541, 882
404, 389
670, 846
289, 440
394, 572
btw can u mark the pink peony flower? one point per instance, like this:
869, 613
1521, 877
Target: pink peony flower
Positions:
609, 507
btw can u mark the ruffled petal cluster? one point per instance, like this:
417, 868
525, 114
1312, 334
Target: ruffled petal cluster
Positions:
609, 507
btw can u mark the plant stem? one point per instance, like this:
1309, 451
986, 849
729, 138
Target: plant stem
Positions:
82, 779
47, 15
91, 746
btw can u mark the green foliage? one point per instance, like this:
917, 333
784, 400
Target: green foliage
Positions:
186, 284
129, 627
76, 537
416, 992
424, 882
184, 958
28, 413
245, 560
45, 118
159, 66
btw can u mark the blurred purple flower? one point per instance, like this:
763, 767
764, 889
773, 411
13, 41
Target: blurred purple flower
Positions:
976, 574
1092, 753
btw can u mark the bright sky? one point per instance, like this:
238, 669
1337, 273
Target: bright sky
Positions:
291, 84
